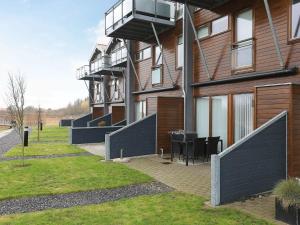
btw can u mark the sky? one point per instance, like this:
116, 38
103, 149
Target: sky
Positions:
45, 41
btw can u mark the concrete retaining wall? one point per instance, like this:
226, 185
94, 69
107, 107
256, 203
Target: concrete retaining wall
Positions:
253, 165
82, 121
105, 118
136, 139
86, 135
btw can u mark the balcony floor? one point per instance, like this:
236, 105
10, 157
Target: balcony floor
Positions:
139, 28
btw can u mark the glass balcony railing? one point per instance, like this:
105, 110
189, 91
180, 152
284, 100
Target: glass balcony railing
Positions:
119, 56
102, 63
82, 72
243, 54
124, 9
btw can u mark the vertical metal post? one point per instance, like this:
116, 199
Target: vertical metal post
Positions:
133, 67
203, 58
274, 33
162, 54
90, 97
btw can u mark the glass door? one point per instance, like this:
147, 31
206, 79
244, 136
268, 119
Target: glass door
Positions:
243, 115
202, 117
220, 118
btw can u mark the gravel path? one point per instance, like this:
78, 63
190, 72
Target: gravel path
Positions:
45, 156
40, 203
8, 139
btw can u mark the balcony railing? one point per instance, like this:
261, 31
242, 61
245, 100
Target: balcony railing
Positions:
82, 72
156, 11
119, 56
243, 54
102, 63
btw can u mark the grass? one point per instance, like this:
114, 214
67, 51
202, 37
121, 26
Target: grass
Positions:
53, 140
172, 208
63, 175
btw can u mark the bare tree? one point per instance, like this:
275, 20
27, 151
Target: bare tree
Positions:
16, 102
39, 122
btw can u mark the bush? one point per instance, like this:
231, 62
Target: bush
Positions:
288, 192
102, 124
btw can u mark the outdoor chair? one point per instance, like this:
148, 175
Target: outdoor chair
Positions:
212, 146
199, 148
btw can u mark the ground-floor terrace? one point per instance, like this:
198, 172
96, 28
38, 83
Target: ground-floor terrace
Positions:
60, 183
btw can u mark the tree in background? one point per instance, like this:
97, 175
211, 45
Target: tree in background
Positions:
15, 97
39, 122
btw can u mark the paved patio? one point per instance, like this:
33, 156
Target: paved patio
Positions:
195, 179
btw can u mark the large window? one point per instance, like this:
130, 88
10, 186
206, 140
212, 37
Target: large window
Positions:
295, 29
203, 32
140, 110
180, 52
243, 115
219, 118
157, 56
242, 50
116, 89
211, 118
202, 117
219, 25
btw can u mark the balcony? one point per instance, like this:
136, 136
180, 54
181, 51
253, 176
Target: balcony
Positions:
131, 19
243, 55
83, 73
103, 66
204, 4
119, 57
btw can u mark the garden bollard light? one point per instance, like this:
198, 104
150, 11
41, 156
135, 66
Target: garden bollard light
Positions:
26, 131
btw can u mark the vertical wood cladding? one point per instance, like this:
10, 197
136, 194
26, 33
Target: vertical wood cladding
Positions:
170, 114
97, 112
118, 114
272, 100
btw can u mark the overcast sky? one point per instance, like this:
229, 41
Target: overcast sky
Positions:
46, 40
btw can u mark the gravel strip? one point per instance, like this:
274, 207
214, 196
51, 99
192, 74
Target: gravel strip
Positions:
45, 156
40, 203
8, 141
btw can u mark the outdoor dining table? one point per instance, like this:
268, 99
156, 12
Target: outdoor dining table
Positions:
185, 142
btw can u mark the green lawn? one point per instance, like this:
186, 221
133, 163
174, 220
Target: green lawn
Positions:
53, 140
172, 208
63, 175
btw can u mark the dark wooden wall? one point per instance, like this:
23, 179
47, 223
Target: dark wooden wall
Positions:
97, 112
272, 100
170, 114
118, 114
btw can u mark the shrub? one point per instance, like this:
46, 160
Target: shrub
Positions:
102, 124
288, 192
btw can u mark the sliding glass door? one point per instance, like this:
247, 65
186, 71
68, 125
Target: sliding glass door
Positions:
202, 117
219, 118
243, 115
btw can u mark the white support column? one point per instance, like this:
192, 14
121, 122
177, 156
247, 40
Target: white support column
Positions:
274, 34
215, 180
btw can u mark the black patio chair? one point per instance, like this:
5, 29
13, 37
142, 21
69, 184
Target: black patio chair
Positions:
212, 146
199, 148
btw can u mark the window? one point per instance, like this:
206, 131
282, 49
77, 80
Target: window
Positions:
202, 117
140, 110
243, 115
219, 118
157, 56
180, 52
203, 32
143, 54
243, 48
219, 25
295, 29
216, 118
156, 75
115, 86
